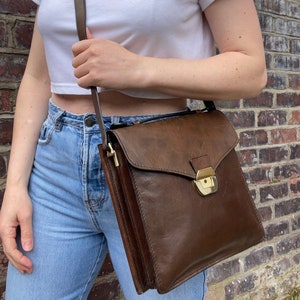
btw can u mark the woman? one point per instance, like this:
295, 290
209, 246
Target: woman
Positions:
57, 221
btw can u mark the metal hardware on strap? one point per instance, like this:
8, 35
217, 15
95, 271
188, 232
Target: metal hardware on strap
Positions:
112, 153
206, 182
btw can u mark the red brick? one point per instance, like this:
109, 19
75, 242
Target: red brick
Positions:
288, 99
23, 34
275, 230
282, 136
295, 185
272, 192
253, 138
288, 244
276, 43
280, 26
265, 213
258, 175
263, 100
228, 104
295, 152
294, 81
240, 287
1, 198
107, 290
241, 119
259, 257
273, 6
297, 258
6, 127
248, 157
107, 267
277, 81
295, 46
275, 154
293, 9
7, 100
2, 166
269, 59
285, 208
266, 22
3, 262
286, 62
24, 7
293, 28
12, 67
295, 118
272, 118
296, 223
224, 270
3, 34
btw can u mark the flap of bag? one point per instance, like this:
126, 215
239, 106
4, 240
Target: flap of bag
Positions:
181, 145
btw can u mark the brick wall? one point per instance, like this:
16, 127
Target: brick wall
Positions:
269, 151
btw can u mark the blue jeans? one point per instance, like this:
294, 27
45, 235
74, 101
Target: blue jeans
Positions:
73, 218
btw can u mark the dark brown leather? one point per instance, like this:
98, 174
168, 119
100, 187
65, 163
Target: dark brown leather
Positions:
169, 231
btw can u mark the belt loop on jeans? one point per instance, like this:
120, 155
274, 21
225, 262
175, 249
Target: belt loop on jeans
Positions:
56, 114
115, 119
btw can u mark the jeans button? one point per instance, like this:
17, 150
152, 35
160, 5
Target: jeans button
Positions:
89, 122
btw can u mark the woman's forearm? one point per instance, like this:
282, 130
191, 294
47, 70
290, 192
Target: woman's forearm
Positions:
31, 110
231, 75
239, 71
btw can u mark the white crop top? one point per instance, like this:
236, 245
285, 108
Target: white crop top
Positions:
157, 28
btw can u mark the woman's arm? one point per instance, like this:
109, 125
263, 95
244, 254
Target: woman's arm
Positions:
238, 71
31, 110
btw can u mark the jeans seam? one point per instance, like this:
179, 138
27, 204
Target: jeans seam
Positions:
93, 272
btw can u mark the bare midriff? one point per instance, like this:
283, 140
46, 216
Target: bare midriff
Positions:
118, 104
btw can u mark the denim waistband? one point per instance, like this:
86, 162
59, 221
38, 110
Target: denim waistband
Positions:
59, 115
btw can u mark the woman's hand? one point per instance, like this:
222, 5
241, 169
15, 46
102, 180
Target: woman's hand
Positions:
104, 63
16, 214
238, 71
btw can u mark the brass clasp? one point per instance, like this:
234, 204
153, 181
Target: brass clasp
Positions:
112, 153
206, 181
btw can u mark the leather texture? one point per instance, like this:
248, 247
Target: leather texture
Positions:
171, 232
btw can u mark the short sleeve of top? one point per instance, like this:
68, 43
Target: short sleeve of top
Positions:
179, 28
203, 3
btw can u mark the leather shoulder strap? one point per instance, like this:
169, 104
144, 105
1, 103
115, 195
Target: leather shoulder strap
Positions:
80, 9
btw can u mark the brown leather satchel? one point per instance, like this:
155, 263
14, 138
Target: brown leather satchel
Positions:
178, 191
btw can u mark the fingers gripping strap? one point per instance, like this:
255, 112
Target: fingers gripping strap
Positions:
80, 9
